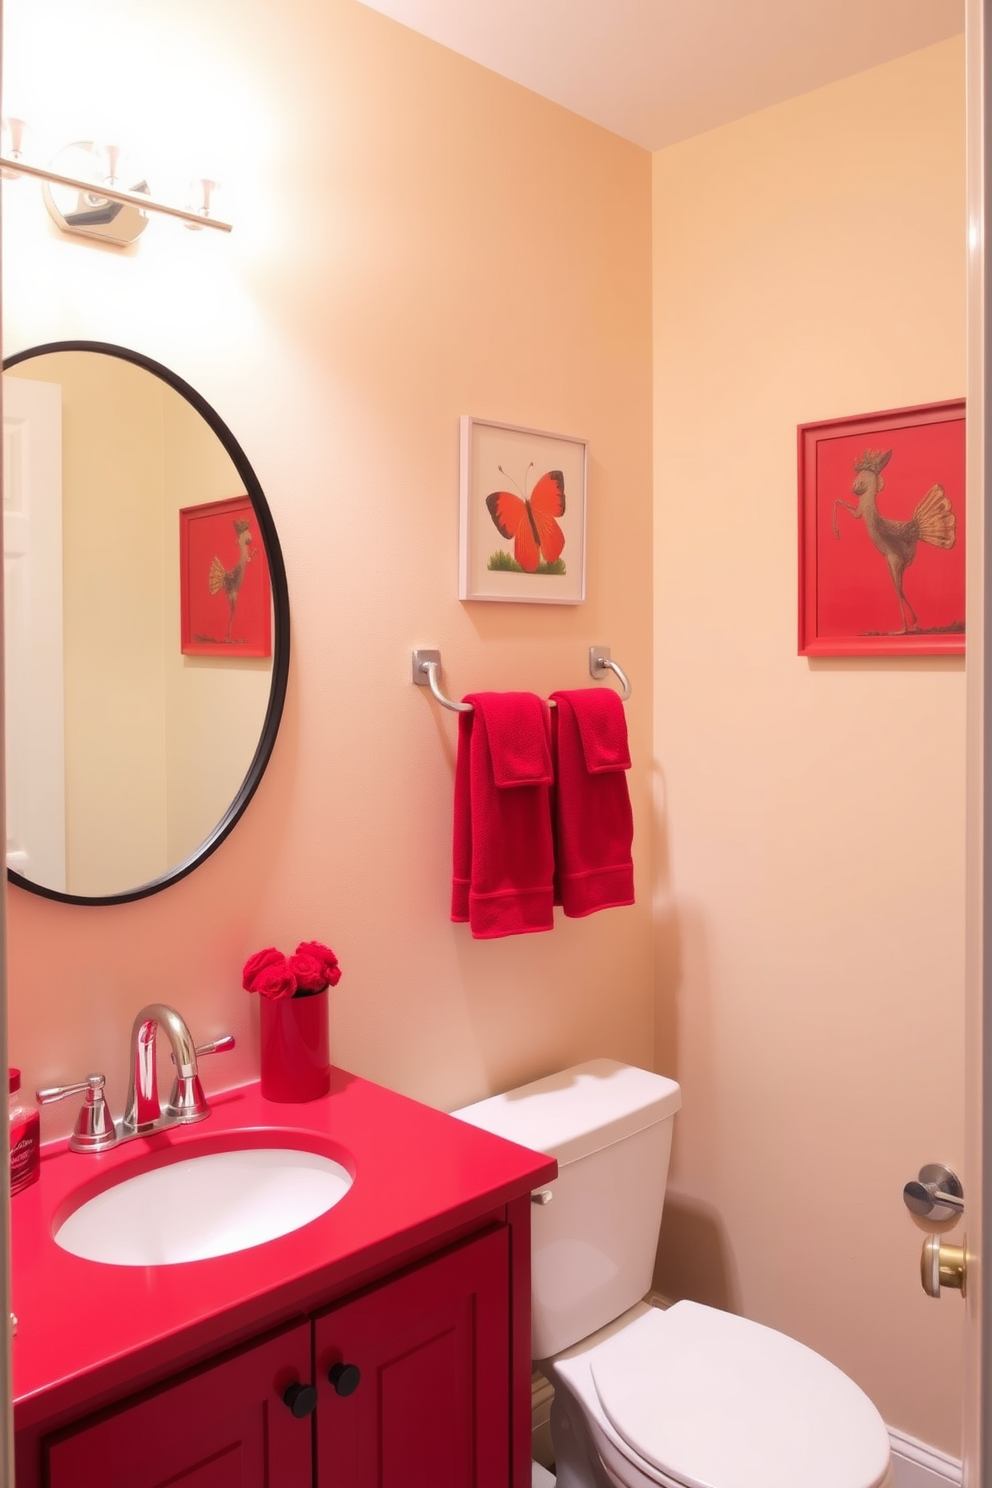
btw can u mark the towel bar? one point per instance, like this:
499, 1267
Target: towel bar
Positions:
427, 672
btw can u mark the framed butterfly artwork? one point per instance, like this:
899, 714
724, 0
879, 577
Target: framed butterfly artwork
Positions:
523, 514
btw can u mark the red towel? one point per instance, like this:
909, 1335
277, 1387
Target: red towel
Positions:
503, 878
594, 825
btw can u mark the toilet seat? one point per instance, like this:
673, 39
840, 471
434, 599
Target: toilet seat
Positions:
698, 1398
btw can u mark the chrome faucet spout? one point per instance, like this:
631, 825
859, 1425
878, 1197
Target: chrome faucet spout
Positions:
143, 1112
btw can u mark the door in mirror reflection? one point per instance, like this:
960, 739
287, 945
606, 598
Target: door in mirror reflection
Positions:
145, 675
35, 668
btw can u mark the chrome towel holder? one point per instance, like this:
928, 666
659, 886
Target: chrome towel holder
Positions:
427, 673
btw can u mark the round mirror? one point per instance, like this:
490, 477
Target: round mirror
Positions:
147, 624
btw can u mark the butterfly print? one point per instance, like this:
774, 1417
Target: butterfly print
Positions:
531, 522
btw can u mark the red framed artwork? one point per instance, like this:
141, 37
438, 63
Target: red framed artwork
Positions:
882, 533
224, 594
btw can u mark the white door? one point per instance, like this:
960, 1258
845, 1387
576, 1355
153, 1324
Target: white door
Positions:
32, 528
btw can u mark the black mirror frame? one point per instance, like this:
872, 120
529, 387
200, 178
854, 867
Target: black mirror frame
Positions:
280, 650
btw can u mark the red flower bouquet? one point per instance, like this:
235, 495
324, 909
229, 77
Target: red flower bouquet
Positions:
296, 1061
313, 968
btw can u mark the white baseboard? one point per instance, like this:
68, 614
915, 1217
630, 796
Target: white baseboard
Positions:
916, 1465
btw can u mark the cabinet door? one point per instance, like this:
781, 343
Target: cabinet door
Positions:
226, 1426
430, 1405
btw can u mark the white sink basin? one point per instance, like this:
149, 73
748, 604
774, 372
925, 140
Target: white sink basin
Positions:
204, 1206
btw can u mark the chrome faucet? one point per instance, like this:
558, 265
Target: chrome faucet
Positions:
143, 1114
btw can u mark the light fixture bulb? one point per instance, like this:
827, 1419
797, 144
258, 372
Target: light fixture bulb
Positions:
12, 132
200, 195
110, 160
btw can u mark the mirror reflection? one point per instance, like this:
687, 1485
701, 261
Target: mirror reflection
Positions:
141, 693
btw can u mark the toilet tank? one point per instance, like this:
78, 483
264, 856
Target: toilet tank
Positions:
593, 1245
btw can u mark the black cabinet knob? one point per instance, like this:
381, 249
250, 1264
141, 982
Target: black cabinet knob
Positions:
345, 1378
301, 1399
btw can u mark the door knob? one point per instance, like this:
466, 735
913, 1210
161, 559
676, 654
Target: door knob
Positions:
942, 1266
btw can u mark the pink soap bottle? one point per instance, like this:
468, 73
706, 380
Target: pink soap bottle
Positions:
25, 1137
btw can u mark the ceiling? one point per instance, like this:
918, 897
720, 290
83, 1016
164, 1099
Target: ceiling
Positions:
657, 71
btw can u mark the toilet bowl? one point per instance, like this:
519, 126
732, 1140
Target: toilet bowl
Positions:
697, 1398
686, 1397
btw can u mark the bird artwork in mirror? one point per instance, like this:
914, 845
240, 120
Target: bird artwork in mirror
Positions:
146, 624
882, 556
223, 581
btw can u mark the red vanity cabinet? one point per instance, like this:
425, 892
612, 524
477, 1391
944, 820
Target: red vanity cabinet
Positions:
414, 1377
412, 1391
225, 1426
413, 1292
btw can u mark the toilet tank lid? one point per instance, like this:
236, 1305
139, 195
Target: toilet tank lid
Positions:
578, 1110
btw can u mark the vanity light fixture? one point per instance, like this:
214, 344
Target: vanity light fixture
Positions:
85, 195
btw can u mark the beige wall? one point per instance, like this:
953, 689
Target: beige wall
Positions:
809, 262
415, 239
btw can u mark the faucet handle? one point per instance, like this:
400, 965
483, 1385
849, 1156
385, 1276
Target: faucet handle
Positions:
187, 1101
61, 1092
219, 1046
94, 1130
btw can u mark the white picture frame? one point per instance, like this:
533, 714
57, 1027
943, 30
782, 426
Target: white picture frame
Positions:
521, 489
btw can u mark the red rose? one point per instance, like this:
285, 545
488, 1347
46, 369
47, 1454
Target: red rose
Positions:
309, 972
312, 950
269, 973
313, 968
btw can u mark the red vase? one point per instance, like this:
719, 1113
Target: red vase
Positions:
296, 1059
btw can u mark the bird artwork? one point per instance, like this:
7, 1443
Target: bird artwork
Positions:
229, 580
933, 522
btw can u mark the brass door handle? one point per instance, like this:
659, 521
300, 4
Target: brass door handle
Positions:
943, 1266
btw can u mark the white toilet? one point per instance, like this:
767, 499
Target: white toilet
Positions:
689, 1397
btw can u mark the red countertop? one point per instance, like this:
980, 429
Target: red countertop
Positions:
88, 1332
